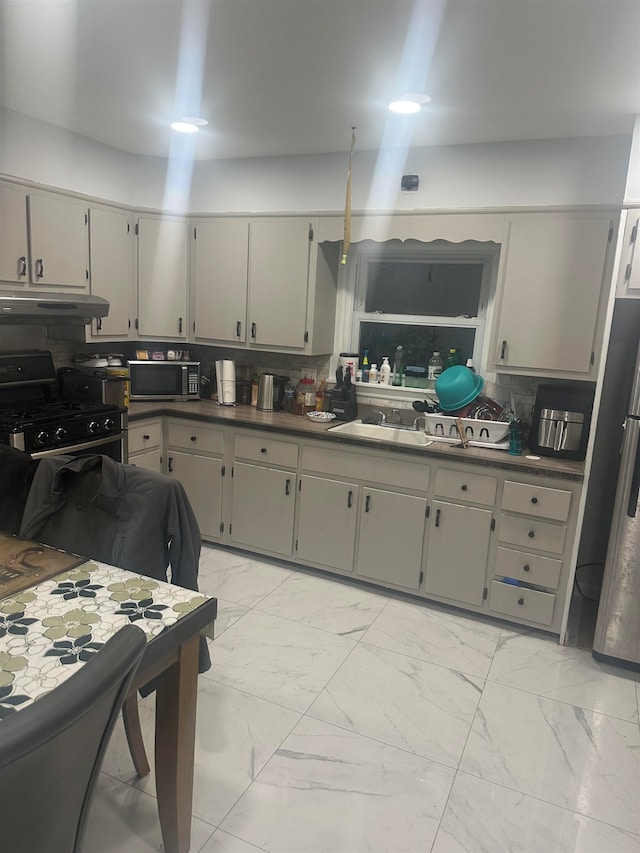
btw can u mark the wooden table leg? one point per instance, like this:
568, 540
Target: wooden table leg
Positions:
176, 698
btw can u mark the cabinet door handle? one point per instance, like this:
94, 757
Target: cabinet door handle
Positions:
253, 330
349, 497
503, 349
238, 329
437, 523
99, 323
366, 503
194, 438
39, 268
287, 486
534, 500
180, 325
22, 265
170, 464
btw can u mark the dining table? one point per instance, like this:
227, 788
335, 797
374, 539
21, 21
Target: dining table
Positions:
54, 616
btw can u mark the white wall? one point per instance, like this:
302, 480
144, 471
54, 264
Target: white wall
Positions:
510, 174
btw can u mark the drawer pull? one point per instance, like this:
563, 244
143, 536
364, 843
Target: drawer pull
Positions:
521, 601
146, 437
531, 534
194, 438
526, 568
464, 487
263, 450
349, 498
534, 500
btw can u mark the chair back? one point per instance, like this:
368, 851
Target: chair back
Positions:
51, 751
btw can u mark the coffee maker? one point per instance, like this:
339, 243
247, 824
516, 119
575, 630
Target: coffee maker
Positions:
561, 418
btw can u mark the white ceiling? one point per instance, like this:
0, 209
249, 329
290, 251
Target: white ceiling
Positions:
292, 76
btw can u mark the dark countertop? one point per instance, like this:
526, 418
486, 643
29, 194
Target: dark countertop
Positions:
285, 423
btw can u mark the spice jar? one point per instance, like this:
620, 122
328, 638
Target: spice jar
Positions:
305, 399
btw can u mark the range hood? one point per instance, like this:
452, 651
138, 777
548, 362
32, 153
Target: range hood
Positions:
35, 307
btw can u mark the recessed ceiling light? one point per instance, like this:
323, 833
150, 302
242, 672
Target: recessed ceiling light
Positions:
411, 103
189, 125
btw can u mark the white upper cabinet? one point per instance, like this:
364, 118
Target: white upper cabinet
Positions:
264, 284
162, 277
629, 271
550, 289
59, 233
13, 235
219, 258
278, 279
111, 257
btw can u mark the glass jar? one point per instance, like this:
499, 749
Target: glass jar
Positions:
305, 399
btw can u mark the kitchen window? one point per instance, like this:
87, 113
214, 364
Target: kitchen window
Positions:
423, 298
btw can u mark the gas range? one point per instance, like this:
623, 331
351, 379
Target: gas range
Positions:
34, 420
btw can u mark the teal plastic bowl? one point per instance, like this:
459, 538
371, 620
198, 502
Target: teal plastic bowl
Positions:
457, 386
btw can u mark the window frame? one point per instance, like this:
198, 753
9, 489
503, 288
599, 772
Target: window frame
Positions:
471, 252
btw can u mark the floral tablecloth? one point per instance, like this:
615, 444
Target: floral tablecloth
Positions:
47, 631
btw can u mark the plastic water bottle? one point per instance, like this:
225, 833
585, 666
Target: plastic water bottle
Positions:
397, 367
434, 367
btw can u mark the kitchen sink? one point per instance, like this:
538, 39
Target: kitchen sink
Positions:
391, 433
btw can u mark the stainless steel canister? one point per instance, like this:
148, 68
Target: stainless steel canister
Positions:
266, 392
560, 430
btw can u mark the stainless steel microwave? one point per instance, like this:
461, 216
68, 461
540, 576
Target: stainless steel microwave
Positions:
164, 380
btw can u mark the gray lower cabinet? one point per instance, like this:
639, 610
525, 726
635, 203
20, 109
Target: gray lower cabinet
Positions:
391, 537
201, 477
262, 508
327, 522
458, 551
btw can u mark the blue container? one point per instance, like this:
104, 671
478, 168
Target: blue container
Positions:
457, 386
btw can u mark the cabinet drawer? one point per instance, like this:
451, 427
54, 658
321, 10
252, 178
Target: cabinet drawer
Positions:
266, 451
465, 486
522, 603
530, 568
531, 533
143, 436
192, 436
390, 469
537, 501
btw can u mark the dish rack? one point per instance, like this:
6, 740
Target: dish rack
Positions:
493, 434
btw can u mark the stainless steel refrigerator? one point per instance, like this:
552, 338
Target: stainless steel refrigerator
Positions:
617, 634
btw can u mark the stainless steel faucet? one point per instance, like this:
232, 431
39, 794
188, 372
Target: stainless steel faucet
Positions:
383, 417
396, 417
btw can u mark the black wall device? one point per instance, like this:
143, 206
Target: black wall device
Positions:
410, 183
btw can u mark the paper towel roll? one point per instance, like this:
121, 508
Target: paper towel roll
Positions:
226, 382
229, 369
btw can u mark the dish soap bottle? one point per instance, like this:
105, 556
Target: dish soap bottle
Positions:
385, 371
365, 366
397, 367
452, 358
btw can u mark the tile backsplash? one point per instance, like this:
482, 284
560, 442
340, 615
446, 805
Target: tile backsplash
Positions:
517, 392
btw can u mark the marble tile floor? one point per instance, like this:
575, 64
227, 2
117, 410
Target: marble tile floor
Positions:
338, 718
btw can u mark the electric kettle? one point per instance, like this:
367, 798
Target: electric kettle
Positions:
266, 392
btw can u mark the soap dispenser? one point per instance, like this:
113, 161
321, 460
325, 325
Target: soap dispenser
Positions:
385, 372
